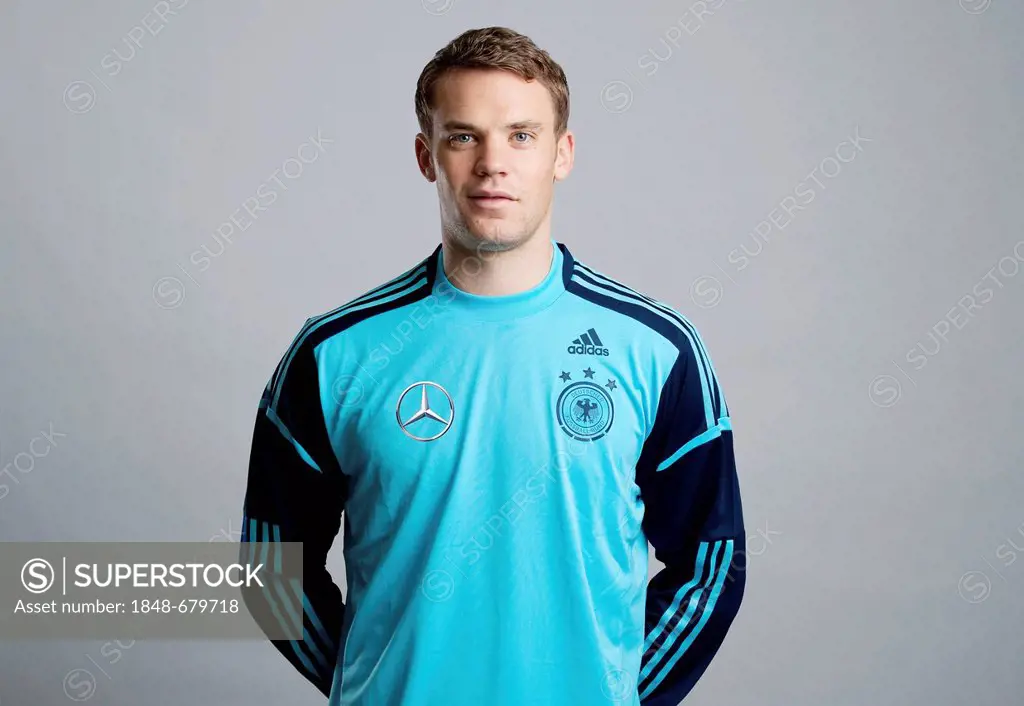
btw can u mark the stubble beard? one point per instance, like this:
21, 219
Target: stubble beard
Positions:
495, 238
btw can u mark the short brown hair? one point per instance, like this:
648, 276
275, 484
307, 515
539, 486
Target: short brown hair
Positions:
493, 48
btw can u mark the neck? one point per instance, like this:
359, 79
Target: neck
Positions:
498, 273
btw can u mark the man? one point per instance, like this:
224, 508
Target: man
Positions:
503, 429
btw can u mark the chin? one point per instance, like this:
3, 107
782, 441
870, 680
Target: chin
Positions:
484, 237
501, 238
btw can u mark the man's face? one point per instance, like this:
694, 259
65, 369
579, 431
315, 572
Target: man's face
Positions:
494, 156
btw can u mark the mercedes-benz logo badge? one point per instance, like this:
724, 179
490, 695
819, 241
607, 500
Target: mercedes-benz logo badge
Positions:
424, 411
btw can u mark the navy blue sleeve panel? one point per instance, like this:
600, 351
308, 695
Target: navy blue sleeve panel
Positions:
694, 520
296, 493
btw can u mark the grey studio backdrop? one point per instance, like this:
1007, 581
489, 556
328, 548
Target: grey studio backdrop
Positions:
829, 191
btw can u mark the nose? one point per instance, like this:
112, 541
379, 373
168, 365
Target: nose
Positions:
491, 157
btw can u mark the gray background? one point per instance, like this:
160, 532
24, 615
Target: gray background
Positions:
881, 486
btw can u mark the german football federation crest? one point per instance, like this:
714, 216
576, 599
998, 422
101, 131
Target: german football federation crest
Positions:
585, 409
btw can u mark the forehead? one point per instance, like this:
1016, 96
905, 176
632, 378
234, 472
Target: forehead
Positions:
491, 95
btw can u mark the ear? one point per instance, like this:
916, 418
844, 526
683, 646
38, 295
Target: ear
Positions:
424, 160
564, 154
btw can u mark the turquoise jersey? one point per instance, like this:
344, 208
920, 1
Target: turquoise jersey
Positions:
500, 464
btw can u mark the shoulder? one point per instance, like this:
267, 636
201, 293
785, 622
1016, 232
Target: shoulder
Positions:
409, 287
655, 317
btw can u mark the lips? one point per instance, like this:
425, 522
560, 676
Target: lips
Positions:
491, 195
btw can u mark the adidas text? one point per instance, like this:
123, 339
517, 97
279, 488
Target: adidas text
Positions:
587, 350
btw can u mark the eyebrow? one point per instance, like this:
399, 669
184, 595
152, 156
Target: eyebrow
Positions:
518, 125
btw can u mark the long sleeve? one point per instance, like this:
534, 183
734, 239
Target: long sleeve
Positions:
296, 493
693, 518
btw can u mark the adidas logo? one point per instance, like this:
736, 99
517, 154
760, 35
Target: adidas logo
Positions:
588, 343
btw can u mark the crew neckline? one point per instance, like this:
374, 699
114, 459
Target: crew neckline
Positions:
504, 306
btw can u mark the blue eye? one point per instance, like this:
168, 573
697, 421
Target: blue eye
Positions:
455, 138
523, 133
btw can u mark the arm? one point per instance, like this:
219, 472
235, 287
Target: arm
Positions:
694, 520
296, 493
